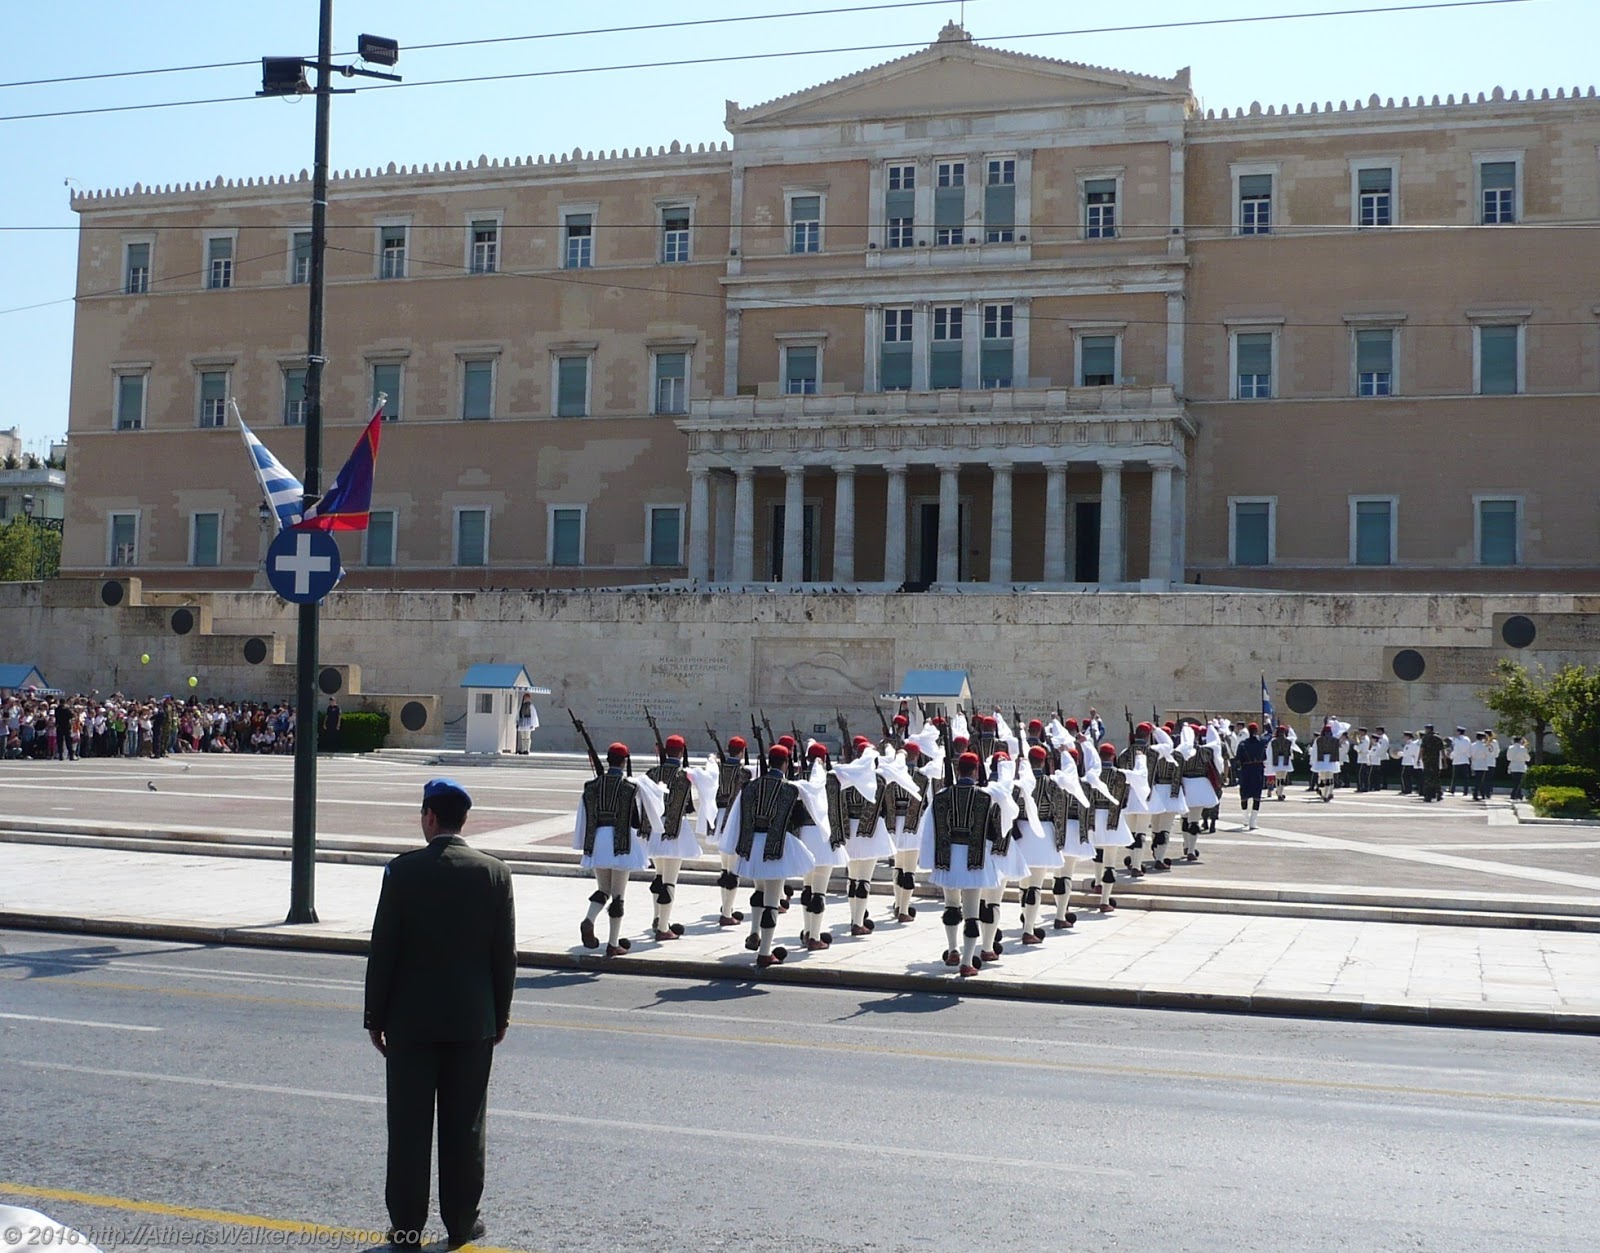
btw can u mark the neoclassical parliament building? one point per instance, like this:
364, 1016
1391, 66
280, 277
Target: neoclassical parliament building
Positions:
966, 319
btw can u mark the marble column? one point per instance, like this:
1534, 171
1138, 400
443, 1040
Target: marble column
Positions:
700, 526
1111, 522
948, 568
1180, 521
1055, 522
794, 524
722, 532
744, 525
1000, 524
894, 528
1161, 523
844, 524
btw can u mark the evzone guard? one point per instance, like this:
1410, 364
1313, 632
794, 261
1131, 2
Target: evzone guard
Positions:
668, 839
761, 832
957, 835
607, 834
1108, 793
733, 774
902, 797
852, 802
824, 842
1166, 796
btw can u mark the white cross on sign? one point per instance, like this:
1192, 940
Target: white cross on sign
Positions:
303, 565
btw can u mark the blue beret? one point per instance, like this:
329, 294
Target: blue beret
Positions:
445, 787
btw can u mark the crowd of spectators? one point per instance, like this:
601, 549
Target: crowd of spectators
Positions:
44, 726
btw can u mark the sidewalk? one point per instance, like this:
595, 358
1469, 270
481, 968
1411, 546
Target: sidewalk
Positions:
1313, 967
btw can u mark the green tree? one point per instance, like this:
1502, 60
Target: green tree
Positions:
1523, 702
1577, 714
28, 551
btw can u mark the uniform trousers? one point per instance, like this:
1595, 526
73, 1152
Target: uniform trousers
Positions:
454, 1074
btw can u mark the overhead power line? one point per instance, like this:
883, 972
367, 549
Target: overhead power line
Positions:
498, 39
795, 52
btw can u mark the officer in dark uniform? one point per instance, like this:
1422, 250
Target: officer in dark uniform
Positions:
1432, 756
438, 999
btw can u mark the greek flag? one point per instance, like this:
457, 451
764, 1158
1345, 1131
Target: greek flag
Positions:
1266, 701
282, 490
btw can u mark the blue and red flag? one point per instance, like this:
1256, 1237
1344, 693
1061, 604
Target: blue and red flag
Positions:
347, 505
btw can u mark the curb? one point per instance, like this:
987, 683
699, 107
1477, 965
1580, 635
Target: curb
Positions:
1272, 1004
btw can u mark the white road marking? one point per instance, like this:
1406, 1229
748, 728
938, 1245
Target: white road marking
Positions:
78, 1022
652, 1130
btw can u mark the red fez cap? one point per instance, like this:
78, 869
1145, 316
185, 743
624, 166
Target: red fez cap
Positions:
958, 739
675, 746
788, 741
1037, 753
1073, 749
736, 744
968, 761
1170, 728
938, 721
617, 753
900, 720
990, 721
777, 753
1108, 751
1072, 724
1001, 755
817, 750
912, 748
861, 741
1252, 728
1035, 724
1146, 728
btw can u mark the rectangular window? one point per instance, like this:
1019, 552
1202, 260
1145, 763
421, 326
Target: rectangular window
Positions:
378, 550
388, 377
294, 397
219, 262
205, 539
944, 354
1497, 182
675, 235
996, 353
900, 204
1255, 204
1100, 208
477, 391
136, 274
1497, 532
672, 382
1375, 363
1252, 532
472, 537
1254, 365
800, 371
566, 537
1375, 192
485, 246
391, 252
950, 202
300, 258
666, 528
123, 539
1099, 361
1498, 374
1000, 202
805, 223
572, 387
895, 364
214, 398
577, 243
130, 402
1374, 532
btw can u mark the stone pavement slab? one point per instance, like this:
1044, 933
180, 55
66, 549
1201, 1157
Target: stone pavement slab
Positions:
1394, 971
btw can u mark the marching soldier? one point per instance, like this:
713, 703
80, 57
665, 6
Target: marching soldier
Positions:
607, 833
762, 834
957, 834
1108, 795
899, 813
825, 842
1042, 847
1280, 761
1325, 760
1073, 842
732, 775
1139, 809
675, 841
1250, 766
850, 808
1166, 797
1201, 779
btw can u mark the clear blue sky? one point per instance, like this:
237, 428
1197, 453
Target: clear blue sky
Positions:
1534, 43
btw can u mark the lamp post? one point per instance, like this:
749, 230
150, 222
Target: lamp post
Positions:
34, 536
285, 76
264, 521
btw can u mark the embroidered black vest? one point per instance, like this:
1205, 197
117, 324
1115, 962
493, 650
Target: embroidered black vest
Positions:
730, 776
844, 803
895, 802
1169, 775
962, 815
1050, 799
609, 801
1117, 784
766, 808
679, 798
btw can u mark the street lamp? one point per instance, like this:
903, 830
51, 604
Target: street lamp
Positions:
285, 76
38, 541
264, 520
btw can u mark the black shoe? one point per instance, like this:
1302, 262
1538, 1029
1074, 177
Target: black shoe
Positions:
475, 1232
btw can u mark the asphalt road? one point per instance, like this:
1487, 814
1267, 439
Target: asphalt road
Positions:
199, 1092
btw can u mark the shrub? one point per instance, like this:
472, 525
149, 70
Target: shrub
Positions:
1580, 777
363, 732
1561, 802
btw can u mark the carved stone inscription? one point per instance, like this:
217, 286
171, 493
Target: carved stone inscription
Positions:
808, 672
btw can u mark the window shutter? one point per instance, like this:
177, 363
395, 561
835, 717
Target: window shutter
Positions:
999, 206
1372, 533
470, 526
900, 204
995, 364
1497, 360
1252, 185
944, 365
949, 206
1497, 532
1373, 180
573, 386
800, 364
1374, 352
664, 537
896, 367
1255, 354
1499, 175
1099, 356
1250, 533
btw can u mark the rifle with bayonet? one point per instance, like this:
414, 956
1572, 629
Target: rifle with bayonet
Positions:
846, 746
1129, 716
716, 741
761, 746
766, 724
594, 757
883, 722
655, 730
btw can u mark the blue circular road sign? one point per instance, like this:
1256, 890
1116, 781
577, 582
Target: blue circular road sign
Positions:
303, 566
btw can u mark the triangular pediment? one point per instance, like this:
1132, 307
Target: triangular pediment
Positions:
955, 75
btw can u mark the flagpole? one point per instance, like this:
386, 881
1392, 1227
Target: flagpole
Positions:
303, 854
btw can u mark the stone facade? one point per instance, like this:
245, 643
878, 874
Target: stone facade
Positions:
970, 316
